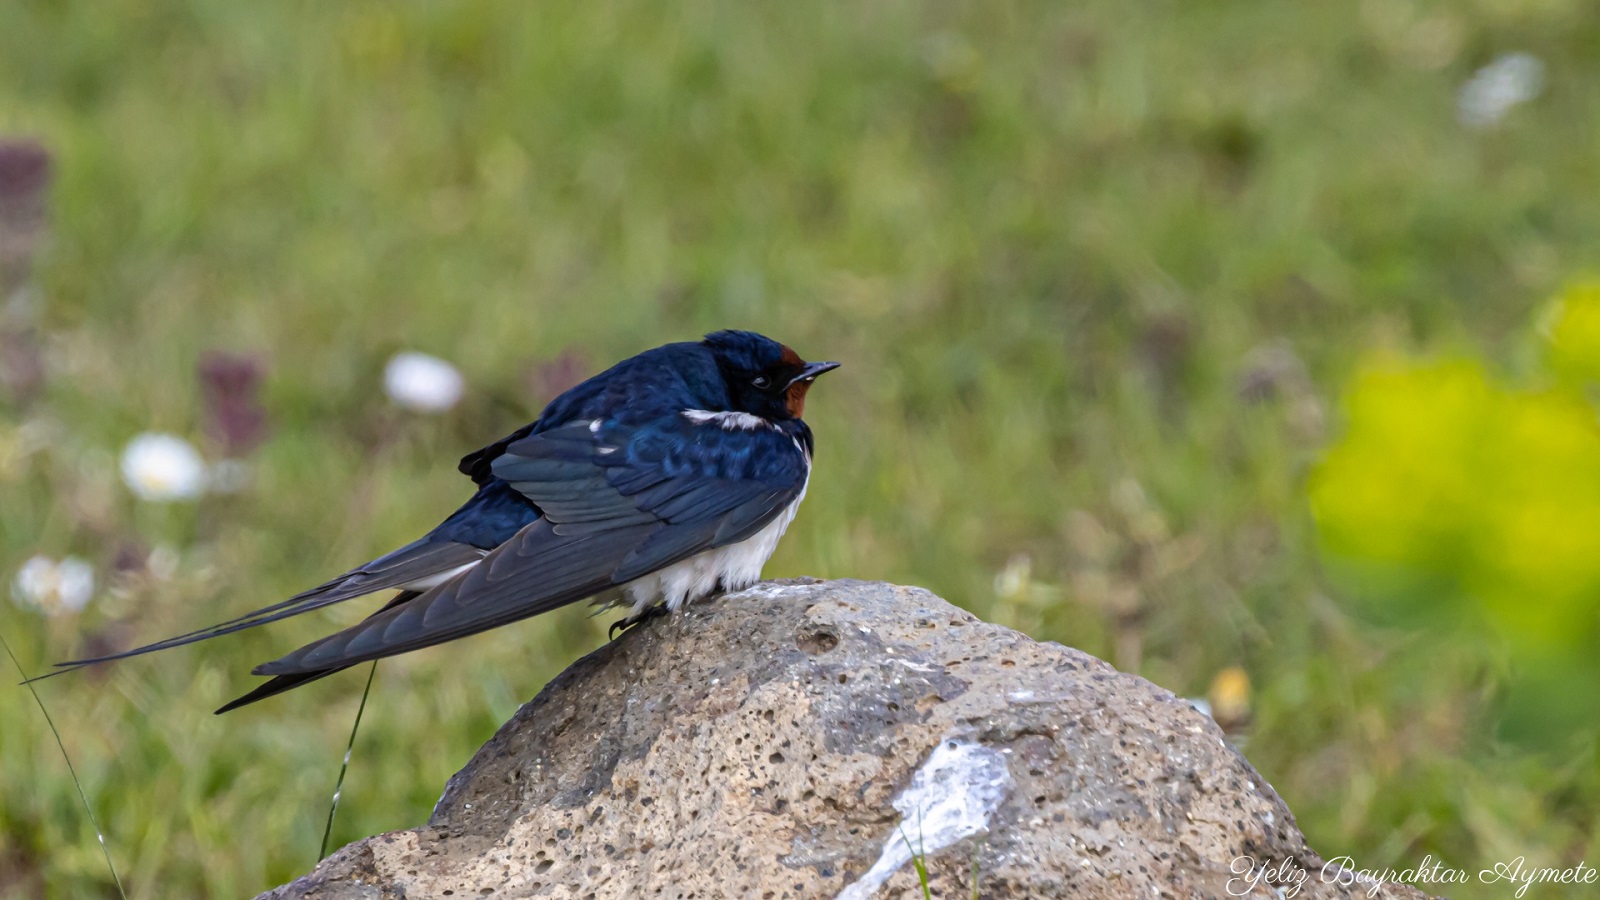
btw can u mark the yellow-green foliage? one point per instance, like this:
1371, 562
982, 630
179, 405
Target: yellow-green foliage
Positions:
1572, 333
1446, 470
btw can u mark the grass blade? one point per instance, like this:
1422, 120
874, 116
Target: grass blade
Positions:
344, 767
71, 770
919, 858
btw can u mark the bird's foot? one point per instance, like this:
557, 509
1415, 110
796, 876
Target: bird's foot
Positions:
653, 612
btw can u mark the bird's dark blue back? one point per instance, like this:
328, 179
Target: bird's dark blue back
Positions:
655, 383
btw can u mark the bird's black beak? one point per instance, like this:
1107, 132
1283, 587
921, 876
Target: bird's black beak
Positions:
810, 371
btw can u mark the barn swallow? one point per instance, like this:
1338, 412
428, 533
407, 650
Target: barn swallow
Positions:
668, 477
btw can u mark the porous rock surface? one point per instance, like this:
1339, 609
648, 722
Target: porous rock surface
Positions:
755, 744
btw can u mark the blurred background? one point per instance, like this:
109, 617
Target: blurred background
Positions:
1249, 346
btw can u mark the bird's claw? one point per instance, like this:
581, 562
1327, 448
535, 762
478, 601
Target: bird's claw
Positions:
623, 624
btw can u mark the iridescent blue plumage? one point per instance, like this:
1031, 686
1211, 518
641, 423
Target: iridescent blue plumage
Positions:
667, 476
489, 519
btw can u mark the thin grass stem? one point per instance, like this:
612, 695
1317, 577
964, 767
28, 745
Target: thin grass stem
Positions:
338, 786
71, 769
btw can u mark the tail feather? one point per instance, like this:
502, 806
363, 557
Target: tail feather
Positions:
277, 685
280, 683
415, 562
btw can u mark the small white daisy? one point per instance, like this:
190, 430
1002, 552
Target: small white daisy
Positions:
1492, 91
163, 467
422, 383
53, 587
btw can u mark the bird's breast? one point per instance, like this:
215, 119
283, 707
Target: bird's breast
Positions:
733, 567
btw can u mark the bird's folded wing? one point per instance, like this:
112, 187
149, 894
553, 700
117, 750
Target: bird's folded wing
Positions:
413, 562
619, 502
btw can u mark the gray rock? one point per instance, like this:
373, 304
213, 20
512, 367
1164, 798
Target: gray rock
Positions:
796, 739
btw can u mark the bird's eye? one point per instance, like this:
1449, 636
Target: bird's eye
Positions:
761, 382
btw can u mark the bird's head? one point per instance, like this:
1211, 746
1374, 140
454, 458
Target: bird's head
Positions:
765, 378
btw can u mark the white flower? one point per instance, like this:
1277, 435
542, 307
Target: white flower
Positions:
1492, 91
163, 467
422, 383
54, 587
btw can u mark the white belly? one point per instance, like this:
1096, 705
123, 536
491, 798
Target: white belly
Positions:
734, 567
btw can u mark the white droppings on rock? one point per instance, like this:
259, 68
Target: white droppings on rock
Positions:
950, 797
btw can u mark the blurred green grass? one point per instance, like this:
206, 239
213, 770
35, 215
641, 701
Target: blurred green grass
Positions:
1059, 247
